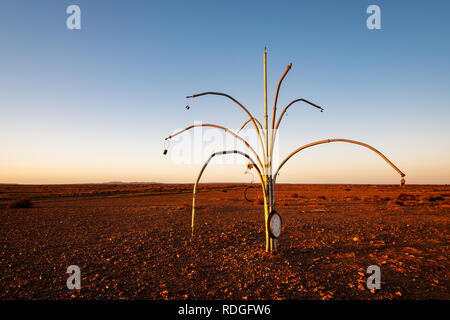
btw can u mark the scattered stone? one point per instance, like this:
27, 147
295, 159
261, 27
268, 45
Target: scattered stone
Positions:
25, 203
352, 198
406, 197
433, 199
259, 201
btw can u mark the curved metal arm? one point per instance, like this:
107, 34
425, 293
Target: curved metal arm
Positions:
222, 128
203, 169
274, 112
238, 103
337, 140
290, 104
245, 123
276, 94
281, 116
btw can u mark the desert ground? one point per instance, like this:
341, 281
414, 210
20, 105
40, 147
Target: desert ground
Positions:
133, 241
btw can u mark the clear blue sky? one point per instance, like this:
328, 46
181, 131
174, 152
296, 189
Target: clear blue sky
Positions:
94, 105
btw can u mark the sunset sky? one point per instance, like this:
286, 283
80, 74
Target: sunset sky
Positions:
94, 105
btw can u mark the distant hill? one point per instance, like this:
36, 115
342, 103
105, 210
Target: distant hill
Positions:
121, 182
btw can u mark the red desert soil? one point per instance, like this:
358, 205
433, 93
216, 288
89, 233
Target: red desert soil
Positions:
133, 242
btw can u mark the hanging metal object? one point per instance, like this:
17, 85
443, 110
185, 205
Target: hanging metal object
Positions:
166, 146
187, 104
275, 224
402, 182
247, 188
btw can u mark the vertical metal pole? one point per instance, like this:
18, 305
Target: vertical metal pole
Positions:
265, 105
266, 130
267, 210
266, 214
273, 242
265, 169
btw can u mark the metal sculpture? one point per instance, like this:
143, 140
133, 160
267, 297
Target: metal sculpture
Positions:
262, 163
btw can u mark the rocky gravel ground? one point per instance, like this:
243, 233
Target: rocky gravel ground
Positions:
133, 242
